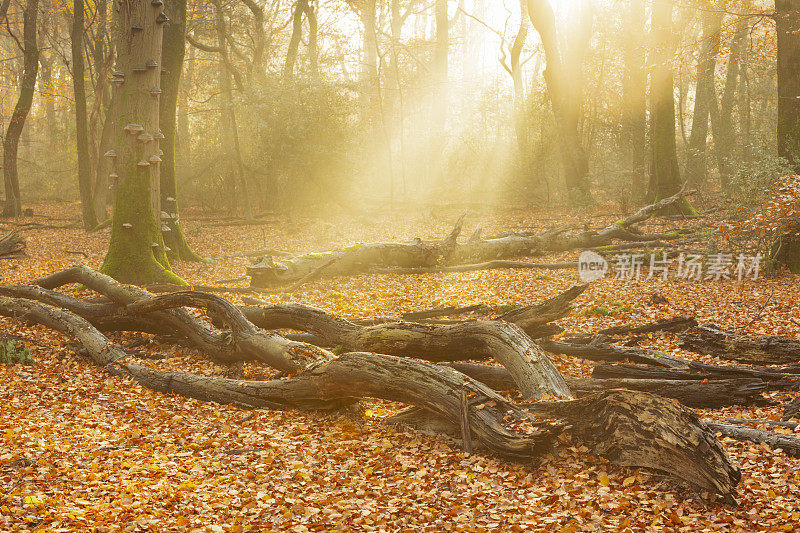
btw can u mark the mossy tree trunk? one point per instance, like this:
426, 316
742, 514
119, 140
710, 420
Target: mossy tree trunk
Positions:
665, 179
81, 124
787, 248
13, 204
136, 253
172, 61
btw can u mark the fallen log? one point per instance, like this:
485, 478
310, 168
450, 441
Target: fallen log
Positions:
505, 342
354, 260
696, 371
790, 445
12, 246
739, 421
501, 426
476, 340
691, 393
791, 409
709, 339
330, 385
448, 255
600, 351
642, 430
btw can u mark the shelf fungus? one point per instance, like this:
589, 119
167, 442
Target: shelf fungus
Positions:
154, 245
137, 27
165, 228
158, 135
140, 68
155, 91
154, 159
127, 225
151, 63
144, 137
134, 128
162, 18
111, 154
114, 176
143, 163
157, 3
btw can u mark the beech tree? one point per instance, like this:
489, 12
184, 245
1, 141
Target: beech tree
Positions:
565, 98
30, 50
81, 125
787, 17
665, 178
137, 253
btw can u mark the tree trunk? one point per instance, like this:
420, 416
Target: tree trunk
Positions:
172, 61
762, 350
136, 253
81, 125
665, 180
297, 36
13, 203
787, 18
635, 96
722, 115
566, 108
705, 98
440, 63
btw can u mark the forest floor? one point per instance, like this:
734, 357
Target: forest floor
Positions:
82, 451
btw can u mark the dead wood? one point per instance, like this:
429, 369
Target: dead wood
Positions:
448, 255
759, 350
329, 385
691, 393
355, 260
642, 430
790, 445
245, 344
12, 246
476, 340
601, 351
792, 409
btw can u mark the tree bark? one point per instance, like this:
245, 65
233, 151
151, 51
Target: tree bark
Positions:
174, 48
136, 253
722, 114
566, 108
705, 98
665, 179
787, 19
13, 202
635, 95
81, 125
762, 350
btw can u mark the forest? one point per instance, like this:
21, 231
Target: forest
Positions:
400, 265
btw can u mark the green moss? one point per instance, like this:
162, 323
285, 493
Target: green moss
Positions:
136, 253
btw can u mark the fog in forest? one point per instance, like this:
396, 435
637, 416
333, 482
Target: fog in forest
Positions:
301, 105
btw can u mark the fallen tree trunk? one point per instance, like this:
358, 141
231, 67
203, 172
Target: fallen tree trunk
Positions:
535, 320
500, 425
12, 246
330, 385
691, 393
791, 409
695, 371
600, 351
448, 255
354, 260
531, 368
762, 350
643, 430
476, 340
790, 445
